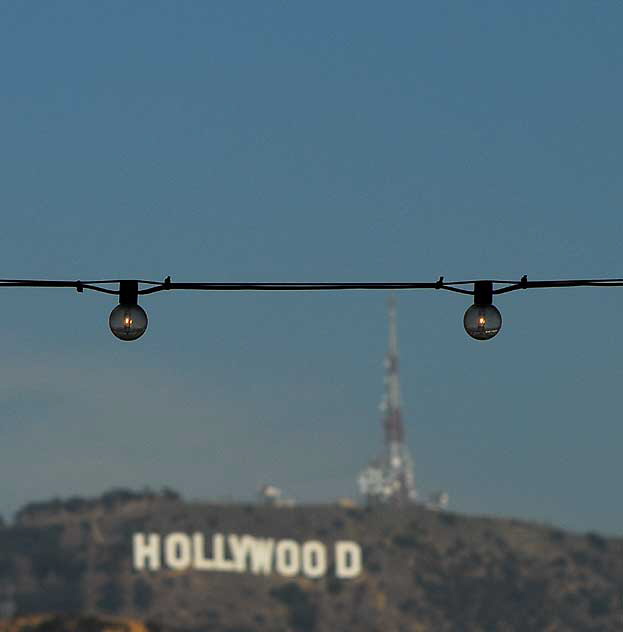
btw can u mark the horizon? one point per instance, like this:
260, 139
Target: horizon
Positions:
160, 494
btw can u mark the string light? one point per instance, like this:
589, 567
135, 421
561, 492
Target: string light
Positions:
482, 321
128, 321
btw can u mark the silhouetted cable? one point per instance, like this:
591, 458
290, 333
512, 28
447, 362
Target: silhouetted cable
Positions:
452, 286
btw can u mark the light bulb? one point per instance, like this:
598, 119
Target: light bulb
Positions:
482, 322
128, 322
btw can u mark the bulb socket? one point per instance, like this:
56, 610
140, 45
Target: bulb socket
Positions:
128, 293
483, 293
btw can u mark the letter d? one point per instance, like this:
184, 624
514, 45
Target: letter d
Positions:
347, 559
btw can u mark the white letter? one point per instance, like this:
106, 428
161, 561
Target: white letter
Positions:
146, 551
240, 548
314, 559
288, 558
199, 559
262, 555
347, 559
177, 551
218, 553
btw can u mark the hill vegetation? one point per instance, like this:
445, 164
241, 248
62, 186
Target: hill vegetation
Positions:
67, 623
422, 570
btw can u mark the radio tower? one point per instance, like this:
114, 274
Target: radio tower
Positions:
390, 479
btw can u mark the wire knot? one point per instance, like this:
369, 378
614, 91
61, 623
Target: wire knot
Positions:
439, 283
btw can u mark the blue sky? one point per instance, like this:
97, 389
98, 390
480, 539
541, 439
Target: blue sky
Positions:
289, 142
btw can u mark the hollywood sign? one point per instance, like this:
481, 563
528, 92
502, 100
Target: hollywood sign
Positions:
244, 554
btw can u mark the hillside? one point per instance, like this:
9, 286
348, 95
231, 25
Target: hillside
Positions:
420, 570
68, 623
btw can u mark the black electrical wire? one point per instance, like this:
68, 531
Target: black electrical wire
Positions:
440, 284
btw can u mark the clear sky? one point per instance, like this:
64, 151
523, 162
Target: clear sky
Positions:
282, 141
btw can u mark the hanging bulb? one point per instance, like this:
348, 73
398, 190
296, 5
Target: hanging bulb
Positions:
128, 321
482, 320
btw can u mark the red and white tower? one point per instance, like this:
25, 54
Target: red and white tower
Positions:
390, 478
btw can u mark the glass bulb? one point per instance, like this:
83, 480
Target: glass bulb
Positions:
128, 322
482, 321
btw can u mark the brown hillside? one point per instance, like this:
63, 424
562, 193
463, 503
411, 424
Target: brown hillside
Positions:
66, 623
422, 570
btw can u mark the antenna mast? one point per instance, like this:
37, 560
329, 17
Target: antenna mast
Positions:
390, 478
